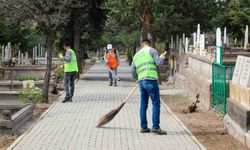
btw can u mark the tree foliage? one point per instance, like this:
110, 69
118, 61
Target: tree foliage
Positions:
235, 16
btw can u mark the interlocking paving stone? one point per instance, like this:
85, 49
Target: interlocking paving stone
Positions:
71, 126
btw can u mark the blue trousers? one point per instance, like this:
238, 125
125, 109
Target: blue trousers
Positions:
150, 88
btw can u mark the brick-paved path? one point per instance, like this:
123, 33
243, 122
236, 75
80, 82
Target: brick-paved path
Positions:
71, 126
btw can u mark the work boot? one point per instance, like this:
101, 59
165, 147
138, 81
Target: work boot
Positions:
159, 131
65, 100
145, 130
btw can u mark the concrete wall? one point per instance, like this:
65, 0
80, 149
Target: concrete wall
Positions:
196, 78
200, 65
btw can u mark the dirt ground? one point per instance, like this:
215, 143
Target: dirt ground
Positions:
6, 141
205, 125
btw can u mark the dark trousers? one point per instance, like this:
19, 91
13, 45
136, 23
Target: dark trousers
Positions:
69, 86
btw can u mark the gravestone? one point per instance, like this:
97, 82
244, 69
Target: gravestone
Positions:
218, 46
225, 36
245, 74
2, 53
246, 37
172, 42
186, 45
202, 44
19, 57
28, 84
198, 33
238, 69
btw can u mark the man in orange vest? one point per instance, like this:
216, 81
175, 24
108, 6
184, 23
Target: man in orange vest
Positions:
112, 60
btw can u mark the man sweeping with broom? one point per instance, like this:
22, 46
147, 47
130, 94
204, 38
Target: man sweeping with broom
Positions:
144, 69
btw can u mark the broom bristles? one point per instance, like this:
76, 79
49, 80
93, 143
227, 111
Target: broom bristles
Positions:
109, 116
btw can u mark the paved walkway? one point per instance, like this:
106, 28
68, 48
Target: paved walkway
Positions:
71, 126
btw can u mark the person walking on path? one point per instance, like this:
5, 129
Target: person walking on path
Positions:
144, 69
112, 60
70, 71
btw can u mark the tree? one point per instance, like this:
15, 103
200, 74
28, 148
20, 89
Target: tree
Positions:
235, 15
48, 15
18, 34
160, 18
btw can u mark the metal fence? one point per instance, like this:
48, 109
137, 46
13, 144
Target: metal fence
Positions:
221, 75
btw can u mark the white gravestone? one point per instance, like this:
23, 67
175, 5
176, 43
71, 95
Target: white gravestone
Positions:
218, 46
19, 57
33, 53
180, 46
2, 53
22, 59
28, 84
46, 58
26, 58
245, 74
202, 44
186, 45
246, 38
183, 43
194, 39
238, 69
172, 42
225, 36
198, 33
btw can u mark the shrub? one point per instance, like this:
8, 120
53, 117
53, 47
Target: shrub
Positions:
25, 78
35, 94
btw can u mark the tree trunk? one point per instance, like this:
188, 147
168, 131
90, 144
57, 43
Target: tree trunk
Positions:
152, 38
50, 41
77, 47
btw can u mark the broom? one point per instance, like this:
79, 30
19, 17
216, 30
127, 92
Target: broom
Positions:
109, 116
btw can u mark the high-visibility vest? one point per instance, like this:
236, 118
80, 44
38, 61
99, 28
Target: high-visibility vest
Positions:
112, 59
72, 65
145, 64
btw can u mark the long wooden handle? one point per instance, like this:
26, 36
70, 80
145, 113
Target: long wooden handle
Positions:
130, 94
111, 71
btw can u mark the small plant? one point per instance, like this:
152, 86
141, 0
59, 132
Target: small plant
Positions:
28, 94
59, 72
25, 78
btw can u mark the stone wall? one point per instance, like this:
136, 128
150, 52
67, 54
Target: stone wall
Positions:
196, 78
38, 71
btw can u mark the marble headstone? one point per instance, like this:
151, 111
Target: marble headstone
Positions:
245, 73
218, 45
246, 38
238, 69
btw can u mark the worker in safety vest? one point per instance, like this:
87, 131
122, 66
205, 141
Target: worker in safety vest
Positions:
70, 71
112, 60
144, 69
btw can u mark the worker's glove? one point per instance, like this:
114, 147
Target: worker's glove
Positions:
60, 55
163, 55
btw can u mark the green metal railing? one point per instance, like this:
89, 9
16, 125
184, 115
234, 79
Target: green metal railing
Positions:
221, 75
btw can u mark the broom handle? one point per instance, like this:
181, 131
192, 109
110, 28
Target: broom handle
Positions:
130, 94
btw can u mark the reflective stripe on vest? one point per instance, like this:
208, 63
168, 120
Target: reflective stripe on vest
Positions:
145, 64
72, 65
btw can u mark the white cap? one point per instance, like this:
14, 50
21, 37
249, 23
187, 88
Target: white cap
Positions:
109, 46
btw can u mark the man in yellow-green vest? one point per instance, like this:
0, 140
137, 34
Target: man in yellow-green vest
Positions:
144, 69
70, 71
